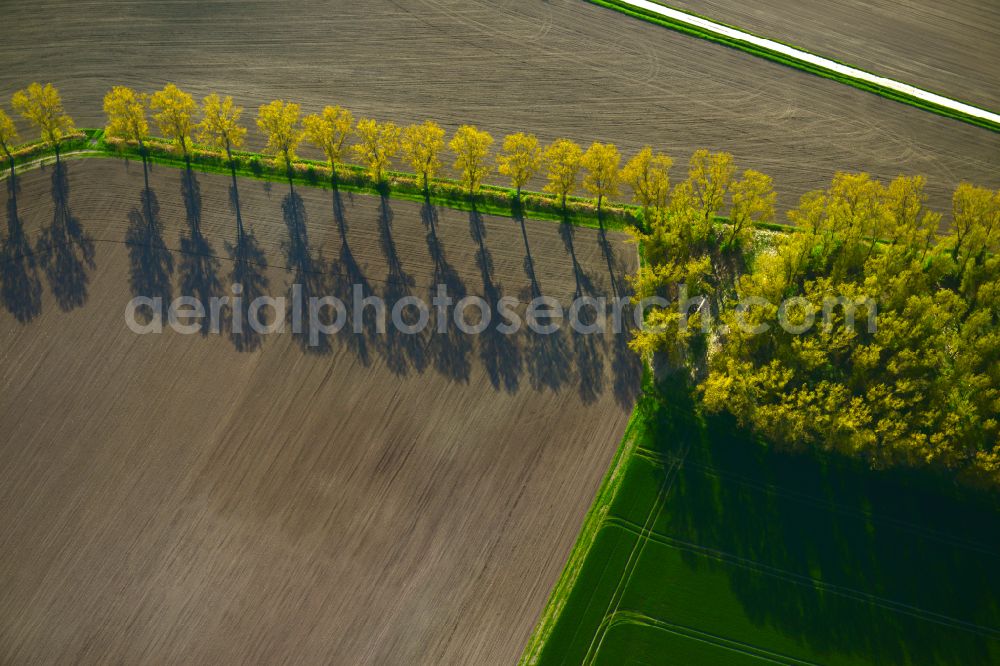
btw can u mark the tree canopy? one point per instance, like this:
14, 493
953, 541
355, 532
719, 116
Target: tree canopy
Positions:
648, 176
279, 122
174, 110
471, 147
601, 164
42, 107
422, 145
8, 134
377, 144
328, 131
563, 160
126, 112
220, 125
520, 159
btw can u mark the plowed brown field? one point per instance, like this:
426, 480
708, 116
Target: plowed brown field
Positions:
171, 499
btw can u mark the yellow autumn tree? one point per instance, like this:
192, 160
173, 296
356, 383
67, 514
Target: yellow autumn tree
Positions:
220, 128
709, 177
422, 145
220, 125
601, 163
8, 138
753, 198
471, 147
279, 122
328, 131
174, 110
520, 159
126, 112
377, 144
42, 107
648, 176
563, 159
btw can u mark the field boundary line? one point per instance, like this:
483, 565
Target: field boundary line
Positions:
805, 581
773, 50
634, 618
592, 524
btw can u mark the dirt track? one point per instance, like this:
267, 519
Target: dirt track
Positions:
171, 499
563, 67
949, 48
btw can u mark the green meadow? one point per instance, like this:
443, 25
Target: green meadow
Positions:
713, 549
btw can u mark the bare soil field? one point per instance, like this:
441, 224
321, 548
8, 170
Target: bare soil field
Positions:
558, 68
222, 499
949, 48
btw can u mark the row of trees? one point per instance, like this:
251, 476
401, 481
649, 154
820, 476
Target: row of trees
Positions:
566, 166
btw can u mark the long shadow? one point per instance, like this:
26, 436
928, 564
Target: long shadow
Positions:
20, 286
517, 211
587, 347
889, 567
151, 263
357, 334
448, 348
249, 281
499, 352
626, 368
402, 350
64, 248
309, 275
199, 266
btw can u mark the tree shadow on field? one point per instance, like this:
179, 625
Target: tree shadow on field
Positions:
888, 567
65, 250
308, 277
20, 286
547, 358
151, 263
517, 211
401, 350
249, 282
587, 347
199, 266
449, 348
626, 368
356, 333
499, 353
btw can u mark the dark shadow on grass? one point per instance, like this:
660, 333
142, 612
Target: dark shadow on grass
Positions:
20, 286
498, 351
65, 250
199, 266
448, 347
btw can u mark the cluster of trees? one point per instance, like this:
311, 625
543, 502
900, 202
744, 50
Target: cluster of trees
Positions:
892, 348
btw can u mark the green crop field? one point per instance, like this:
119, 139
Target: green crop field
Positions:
706, 548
